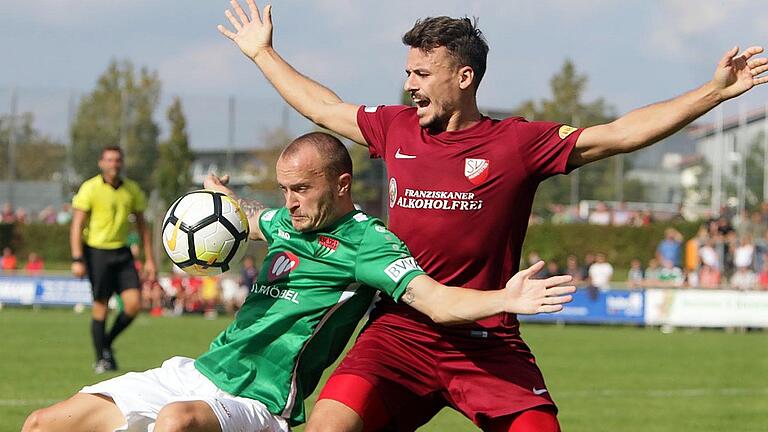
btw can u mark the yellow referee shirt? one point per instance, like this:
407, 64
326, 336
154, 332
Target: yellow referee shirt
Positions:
109, 208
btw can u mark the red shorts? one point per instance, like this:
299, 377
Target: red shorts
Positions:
417, 372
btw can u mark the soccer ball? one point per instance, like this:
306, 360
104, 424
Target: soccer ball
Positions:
205, 232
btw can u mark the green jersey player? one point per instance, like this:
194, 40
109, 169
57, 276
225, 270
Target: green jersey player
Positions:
325, 263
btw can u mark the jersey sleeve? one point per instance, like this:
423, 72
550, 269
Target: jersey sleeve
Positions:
374, 122
139, 198
267, 224
546, 146
82, 199
384, 262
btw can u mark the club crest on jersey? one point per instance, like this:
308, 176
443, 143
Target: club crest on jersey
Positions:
392, 192
281, 265
476, 170
327, 245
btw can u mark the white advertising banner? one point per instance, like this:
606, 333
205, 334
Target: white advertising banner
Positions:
706, 308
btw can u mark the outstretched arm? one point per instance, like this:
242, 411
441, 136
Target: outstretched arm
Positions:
735, 74
251, 208
522, 295
253, 35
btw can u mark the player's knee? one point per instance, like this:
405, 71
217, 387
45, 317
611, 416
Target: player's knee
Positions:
36, 421
178, 417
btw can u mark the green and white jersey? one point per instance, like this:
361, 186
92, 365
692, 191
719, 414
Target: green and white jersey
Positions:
312, 290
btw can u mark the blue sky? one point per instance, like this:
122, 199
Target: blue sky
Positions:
635, 52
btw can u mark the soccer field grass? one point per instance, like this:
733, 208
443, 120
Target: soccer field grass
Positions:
603, 378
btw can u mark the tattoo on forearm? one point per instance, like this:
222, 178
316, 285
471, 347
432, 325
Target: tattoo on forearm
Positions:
409, 297
251, 207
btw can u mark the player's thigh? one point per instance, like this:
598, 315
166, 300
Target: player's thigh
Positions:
80, 412
494, 382
103, 279
126, 275
192, 416
538, 419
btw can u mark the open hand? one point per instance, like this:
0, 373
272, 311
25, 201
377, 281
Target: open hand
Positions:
531, 296
737, 74
252, 35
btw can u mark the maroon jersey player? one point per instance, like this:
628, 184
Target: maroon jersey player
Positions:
461, 187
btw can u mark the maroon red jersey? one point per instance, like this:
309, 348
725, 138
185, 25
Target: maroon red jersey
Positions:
461, 200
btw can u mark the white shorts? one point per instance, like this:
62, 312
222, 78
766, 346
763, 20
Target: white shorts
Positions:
141, 395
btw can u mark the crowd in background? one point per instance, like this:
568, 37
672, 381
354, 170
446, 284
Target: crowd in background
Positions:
728, 252
48, 215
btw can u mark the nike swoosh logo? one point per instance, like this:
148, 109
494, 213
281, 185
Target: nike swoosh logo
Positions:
539, 391
399, 155
174, 234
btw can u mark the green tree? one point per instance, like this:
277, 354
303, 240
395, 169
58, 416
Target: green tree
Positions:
595, 180
173, 176
38, 157
119, 112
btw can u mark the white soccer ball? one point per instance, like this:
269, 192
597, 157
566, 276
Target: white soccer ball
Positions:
205, 232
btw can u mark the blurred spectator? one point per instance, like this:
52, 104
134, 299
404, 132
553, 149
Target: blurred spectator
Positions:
709, 256
559, 215
232, 295
573, 269
652, 272
670, 274
64, 216
692, 247
762, 277
34, 264
8, 261
152, 296
47, 216
210, 296
622, 216
744, 279
600, 273
21, 215
8, 215
743, 254
589, 259
709, 277
601, 215
552, 269
535, 219
635, 273
670, 248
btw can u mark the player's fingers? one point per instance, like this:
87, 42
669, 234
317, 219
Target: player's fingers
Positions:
532, 270
268, 15
558, 280
757, 62
550, 308
753, 50
758, 81
223, 30
560, 290
224, 179
558, 300
758, 70
728, 56
239, 11
232, 20
255, 14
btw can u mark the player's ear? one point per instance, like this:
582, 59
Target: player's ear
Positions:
345, 184
466, 77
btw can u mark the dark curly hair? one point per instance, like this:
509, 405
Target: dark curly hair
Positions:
460, 36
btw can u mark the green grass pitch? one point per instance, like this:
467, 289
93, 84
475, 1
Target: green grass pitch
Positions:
603, 378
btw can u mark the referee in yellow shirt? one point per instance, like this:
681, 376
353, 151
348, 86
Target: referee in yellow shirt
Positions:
103, 206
